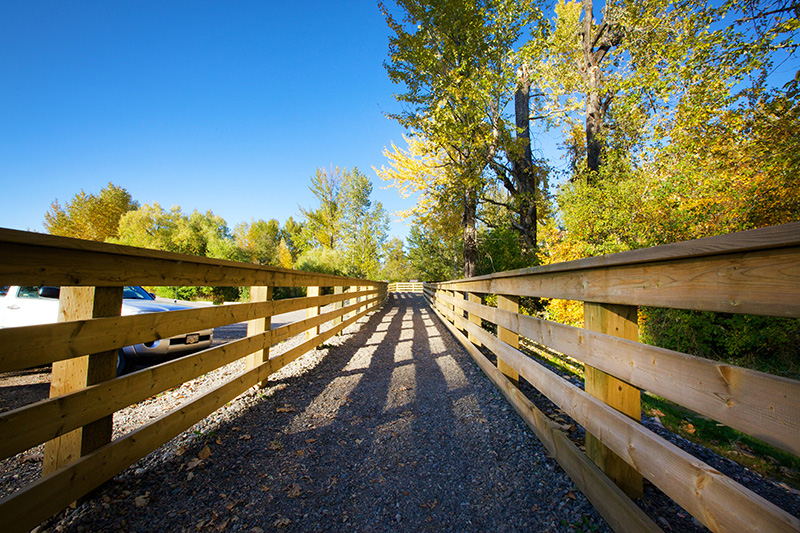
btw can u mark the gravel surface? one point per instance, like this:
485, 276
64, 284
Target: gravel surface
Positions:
388, 426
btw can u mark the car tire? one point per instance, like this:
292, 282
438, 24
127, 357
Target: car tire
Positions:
124, 364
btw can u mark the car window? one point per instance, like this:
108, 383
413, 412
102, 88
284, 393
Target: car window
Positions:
28, 292
135, 293
4, 290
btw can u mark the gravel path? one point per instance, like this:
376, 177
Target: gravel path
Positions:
390, 426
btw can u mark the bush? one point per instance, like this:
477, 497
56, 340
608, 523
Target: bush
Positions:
767, 344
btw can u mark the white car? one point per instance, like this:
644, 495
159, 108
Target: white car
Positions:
29, 306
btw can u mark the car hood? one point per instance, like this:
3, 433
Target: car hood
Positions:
135, 307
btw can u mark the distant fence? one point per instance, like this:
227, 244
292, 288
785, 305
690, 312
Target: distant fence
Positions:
75, 423
406, 286
753, 272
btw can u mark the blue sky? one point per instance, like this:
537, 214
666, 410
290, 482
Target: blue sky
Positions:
219, 106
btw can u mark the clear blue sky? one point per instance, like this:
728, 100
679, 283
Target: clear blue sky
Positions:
209, 105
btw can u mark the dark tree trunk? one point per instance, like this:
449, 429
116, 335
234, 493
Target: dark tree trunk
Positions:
594, 123
596, 46
523, 163
470, 233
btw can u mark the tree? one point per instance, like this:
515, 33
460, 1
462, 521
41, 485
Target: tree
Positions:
450, 55
396, 266
260, 240
364, 226
322, 226
89, 216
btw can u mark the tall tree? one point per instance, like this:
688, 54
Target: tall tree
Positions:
260, 240
364, 226
458, 63
322, 225
89, 216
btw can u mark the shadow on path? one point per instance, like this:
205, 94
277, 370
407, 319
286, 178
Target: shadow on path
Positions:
389, 427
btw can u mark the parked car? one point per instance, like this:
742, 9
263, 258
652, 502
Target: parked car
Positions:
29, 306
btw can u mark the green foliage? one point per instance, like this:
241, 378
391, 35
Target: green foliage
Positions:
323, 225
259, 240
364, 227
768, 344
89, 216
397, 266
433, 256
323, 260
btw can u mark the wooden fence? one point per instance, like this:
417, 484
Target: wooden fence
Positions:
76, 421
754, 272
406, 286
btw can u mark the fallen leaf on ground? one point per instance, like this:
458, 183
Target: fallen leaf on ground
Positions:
275, 445
309, 441
570, 495
285, 409
205, 453
293, 490
143, 500
180, 451
429, 505
245, 437
192, 464
281, 522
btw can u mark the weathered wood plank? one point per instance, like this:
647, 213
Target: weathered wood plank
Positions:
23, 510
511, 305
37, 259
715, 500
78, 303
28, 426
618, 321
30, 346
619, 511
774, 237
762, 405
258, 326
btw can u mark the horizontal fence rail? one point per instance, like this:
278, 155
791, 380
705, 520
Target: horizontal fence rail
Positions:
75, 422
754, 272
406, 286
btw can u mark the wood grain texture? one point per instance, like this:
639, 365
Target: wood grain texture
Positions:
38, 345
770, 238
23, 510
618, 321
77, 303
763, 282
510, 337
258, 326
762, 405
475, 319
38, 259
715, 500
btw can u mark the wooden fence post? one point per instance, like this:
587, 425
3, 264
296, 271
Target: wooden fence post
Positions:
475, 319
338, 305
258, 326
312, 312
508, 303
81, 303
619, 321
